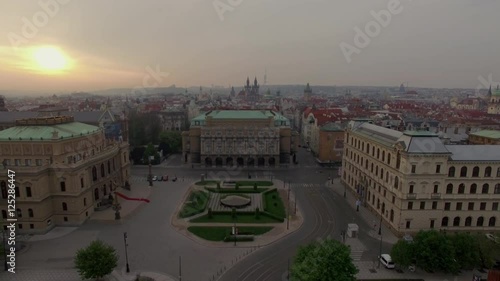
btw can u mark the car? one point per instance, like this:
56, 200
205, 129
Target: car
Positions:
386, 260
165, 178
159, 178
493, 238
154, 178
408, 238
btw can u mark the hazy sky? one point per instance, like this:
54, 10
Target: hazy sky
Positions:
428, 43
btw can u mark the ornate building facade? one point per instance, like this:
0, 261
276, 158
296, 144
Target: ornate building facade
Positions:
63, 171
494, 104
415, 182
240, 138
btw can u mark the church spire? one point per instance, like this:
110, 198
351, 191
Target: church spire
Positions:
489, 92
248, 81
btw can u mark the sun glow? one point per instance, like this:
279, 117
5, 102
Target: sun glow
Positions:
50, 60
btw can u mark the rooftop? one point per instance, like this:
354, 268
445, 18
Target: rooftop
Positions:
474, 152
492, 134
47, 132
242, 114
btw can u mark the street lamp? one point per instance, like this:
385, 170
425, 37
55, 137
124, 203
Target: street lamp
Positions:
126, 254
288, 209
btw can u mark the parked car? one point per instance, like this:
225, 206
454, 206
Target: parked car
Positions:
154, 178
165, 178
386, 260
159, 178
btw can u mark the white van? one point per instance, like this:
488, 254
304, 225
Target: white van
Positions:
386, 260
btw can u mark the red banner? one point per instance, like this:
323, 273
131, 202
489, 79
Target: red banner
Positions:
131, 199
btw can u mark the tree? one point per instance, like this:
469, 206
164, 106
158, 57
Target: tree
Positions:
210, 215
151, 151
257, 213
488, 251
173, 139
96, 261
323, 261
466, 251
402, 253
434, 252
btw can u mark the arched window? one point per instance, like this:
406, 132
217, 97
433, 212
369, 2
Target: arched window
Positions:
382, 173
487, 172
378, 153
492, 221
368, 148
480, 221
468, 221
486, 188
444, 221
473, 188
28, 191
104, 190
461, 188
3, 186
96, 194
449, 188
94, 173
389, 158
64, 206
463, 172
392, 215
383, 155
387, 176
19, 213
30, 213
475, 172
102, 171
451, 171
396, 182
456, 221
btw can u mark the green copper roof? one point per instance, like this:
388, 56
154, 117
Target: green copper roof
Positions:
420, 134
332, 127
492, 134
45, 132
240, 114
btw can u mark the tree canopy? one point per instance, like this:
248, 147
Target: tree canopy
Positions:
96, 261
323, 261
171, 140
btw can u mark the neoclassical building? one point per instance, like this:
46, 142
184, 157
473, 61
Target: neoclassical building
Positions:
415, 182
63, 171
240, 138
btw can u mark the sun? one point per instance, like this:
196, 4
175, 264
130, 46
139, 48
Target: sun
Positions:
50, 59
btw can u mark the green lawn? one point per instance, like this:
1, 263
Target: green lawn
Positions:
218, 233
226, 217
252, 183
207, 183
196, 204
273, 204
239, 190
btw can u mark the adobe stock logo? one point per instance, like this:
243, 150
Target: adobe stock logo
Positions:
485, 84
223, 6
30, 28
372, 29
152, 74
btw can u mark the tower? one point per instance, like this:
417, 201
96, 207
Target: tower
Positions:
307, 93
494, 103
2, 104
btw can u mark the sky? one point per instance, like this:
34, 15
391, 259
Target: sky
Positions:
71, 45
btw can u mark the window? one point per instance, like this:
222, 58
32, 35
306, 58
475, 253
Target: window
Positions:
449, 189
382, 173
432, 223
109, 167
486, 188
463, 172
498, 173
94, 173
63, 186
64, 206
408, 224
17, 162
434, 205
84, 201
102, 171
438, 169
451, 172
410, 205
468, 221
447, 206
38, 162
497, 188
28, 191
473, 188
32, 226
30, 213
475, 172
482, 206
18, 194
456, 221
27, 162
492, 222
461, 188
388, 158
487, 172
480, 221
19, 213
459, 206
3, 186
20, 226
411, 188
436, 188
422, 205
444, 221
471, 206
413, 169
65, 218
383, 156
494, 206
82, 183
393, 199
396, 182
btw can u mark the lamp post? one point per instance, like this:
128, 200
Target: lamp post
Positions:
180, 268
126, 253
4, 250
288, 209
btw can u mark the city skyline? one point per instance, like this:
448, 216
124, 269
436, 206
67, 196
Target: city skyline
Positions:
68, 46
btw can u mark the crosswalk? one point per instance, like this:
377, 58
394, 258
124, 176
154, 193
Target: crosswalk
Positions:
356, 255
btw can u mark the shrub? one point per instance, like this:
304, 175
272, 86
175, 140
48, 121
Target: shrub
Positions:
210, 213
236, 186
257, 213
255, 186
274, 196
218, 185
233, 213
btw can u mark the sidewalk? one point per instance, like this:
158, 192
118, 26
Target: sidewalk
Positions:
366, 214
128, 208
